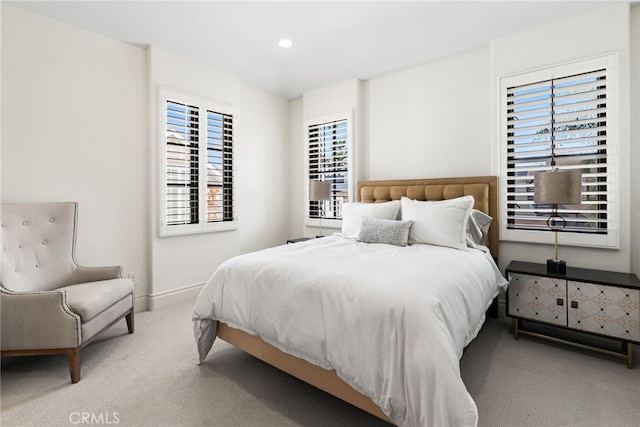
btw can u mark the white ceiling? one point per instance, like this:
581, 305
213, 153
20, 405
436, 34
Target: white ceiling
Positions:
332, 41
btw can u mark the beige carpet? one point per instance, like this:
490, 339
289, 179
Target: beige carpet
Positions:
151, 378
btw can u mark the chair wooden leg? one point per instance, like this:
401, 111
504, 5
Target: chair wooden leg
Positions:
73, 355
130, 324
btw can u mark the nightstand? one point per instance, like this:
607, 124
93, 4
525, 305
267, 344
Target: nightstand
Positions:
595, 302
299, 239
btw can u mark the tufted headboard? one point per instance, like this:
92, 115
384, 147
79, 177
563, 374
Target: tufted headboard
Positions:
484, 190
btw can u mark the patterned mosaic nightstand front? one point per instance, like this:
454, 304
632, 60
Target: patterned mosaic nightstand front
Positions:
597, 302
538, 298
606, 310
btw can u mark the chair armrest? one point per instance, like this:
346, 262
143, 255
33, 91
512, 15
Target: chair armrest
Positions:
94, 274
38, 320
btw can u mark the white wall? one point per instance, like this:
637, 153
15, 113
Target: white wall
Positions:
432, 120
339, 98
0, 102
297, 168
635, 139
80, 120
440, 119
74, 115
180, 265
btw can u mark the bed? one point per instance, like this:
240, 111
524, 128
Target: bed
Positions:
381, 326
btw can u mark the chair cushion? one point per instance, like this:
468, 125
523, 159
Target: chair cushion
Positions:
92, 298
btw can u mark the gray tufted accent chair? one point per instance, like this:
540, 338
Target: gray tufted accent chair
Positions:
51, 305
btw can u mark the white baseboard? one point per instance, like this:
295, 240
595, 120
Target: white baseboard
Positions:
140, 303
174, 296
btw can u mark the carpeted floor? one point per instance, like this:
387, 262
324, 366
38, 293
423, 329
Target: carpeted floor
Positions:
151, 378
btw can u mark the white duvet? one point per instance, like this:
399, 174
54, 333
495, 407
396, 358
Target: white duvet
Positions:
392, 321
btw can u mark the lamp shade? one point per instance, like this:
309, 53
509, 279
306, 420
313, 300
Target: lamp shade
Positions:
558, 187
319, 190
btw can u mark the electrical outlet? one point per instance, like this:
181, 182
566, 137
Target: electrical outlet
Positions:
132, 276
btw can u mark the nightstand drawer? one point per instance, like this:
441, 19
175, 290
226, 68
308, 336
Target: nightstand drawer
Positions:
542, 299
606, 310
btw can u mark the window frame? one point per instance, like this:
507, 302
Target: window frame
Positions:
204, 106
341, 116
611, 239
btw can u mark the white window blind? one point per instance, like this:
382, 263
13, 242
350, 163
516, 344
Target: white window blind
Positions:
562, 123
329, 161
219, 166
198, 165
182, 151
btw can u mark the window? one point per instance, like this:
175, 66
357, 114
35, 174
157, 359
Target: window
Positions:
197, 165
329, 160
560, 118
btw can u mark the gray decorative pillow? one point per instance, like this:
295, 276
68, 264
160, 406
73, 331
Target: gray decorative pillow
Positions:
391, 232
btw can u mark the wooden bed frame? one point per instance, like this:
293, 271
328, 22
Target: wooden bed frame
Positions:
485, 191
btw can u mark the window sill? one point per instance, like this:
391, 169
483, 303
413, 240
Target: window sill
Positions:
181, 230
601, 241
325, 223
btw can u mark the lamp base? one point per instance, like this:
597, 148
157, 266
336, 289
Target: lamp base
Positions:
556, 266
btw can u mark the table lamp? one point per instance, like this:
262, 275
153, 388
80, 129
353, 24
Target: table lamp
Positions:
557, 187
319, 191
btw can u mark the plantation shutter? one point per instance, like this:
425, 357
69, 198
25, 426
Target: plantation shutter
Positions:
196, 194
182, 165
558, 123
328, 161
219, 167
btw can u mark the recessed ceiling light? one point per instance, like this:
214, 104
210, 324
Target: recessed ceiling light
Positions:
286, 43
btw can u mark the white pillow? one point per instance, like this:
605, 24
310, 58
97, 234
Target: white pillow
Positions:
478, 228
441, 223
352, 214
